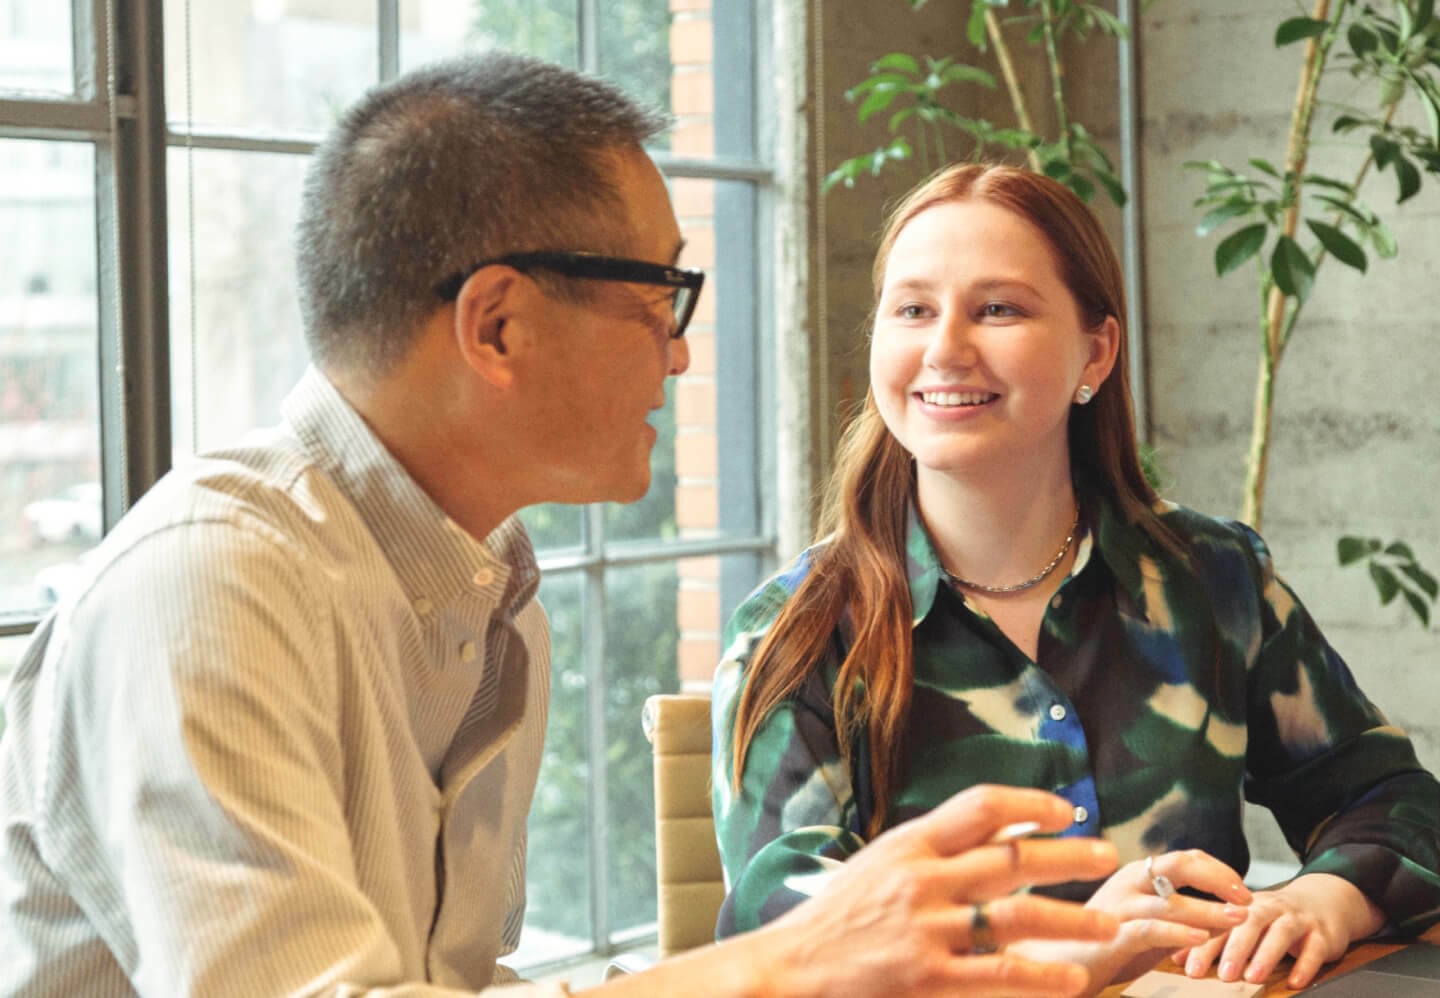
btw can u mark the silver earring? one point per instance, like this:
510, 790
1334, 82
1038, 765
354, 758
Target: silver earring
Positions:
1084, 394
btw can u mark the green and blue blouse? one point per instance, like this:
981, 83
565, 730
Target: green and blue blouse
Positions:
1164, 695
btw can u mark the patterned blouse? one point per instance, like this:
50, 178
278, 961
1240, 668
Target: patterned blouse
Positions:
1164, 696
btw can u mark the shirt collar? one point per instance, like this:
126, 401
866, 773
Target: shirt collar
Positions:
433, 557
1122, 547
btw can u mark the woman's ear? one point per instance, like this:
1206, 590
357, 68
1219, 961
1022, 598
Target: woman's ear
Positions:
1104, 341
485, 309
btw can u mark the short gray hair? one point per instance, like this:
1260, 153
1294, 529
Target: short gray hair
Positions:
444, 167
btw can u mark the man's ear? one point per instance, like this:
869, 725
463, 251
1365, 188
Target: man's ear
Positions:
484, 312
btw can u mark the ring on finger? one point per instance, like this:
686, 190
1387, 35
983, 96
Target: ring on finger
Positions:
1159, 883
982, 939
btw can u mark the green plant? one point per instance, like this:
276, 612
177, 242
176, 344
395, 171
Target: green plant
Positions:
914, 91
1393, 53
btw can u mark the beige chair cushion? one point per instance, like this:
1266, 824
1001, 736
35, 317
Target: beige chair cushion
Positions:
687, 862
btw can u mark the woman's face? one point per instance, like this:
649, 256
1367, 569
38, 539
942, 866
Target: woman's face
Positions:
978, 345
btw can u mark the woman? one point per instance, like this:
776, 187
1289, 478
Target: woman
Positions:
999, 596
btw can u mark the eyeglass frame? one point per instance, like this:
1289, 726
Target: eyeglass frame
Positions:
585, 265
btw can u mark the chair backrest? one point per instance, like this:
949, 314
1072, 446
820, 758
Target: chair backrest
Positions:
687, 862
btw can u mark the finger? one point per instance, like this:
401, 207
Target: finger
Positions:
1202, 957
1141, 934
992, 871
1213, 915
974, 815
1197, 869
1308, 963
1241, 943
1028, 916
1280, 937
1007, 974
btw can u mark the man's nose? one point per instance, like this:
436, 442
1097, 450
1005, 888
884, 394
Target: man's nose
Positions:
679, 355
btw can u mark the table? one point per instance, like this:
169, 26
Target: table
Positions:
1275, 985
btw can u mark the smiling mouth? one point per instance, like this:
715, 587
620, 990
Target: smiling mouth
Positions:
955, 400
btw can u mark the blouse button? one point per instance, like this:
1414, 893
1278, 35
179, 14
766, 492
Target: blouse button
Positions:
484, 576
1082, 815
1057, 712
423, 606
1057, 601
467, 652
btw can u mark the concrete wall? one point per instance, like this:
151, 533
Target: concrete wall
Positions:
1357, 433
1357, 428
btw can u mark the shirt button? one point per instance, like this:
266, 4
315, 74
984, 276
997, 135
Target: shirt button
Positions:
1057, 601
1081, 814
1057, 712
467, 652
423, 606
484, 577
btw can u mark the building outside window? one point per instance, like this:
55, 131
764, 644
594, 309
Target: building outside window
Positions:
147, 310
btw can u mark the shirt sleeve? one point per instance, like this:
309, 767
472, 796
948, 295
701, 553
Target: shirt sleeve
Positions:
1345, 786
195, 806
792, 819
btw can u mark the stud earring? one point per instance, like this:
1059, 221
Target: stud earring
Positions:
1084, 394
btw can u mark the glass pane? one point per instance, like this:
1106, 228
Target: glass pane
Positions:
553, 526
36, 54
557, 917
49, 375
431, 29
635, 52
269, 65
244, 350
642, 633
705, 478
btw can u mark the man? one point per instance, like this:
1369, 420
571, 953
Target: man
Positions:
285, 739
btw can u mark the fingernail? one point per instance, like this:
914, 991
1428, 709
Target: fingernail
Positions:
1192, 966
1235, 913
1228, 971
1242, 890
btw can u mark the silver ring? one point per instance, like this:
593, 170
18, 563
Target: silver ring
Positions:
1159, 883
982, 940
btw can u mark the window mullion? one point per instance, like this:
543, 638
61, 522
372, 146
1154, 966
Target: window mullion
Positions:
597, 737
387, 16
131, 221
587, 13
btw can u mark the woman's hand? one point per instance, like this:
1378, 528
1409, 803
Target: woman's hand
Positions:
1314, 918
1151, 925
918, 910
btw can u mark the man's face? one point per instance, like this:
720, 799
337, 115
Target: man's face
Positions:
606, 358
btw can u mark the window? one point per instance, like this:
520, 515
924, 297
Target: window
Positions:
147, 308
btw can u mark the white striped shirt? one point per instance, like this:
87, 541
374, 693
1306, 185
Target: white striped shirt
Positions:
283, 741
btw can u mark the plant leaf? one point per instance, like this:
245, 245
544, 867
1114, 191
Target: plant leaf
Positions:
1423, 579
1409, 176
1238, 247
1385, 583
1339, 245
1384, 150
1362, 40
1400, 550
1297, 28
1421, 608
1350, 549
1216, 217
975, 27
901, 62
1293, 272
1383, 240
1265, 166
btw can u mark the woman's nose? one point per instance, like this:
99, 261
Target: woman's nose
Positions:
951, 344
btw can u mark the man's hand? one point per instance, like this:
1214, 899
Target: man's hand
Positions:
898, 918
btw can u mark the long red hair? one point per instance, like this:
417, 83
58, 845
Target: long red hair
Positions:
859, 572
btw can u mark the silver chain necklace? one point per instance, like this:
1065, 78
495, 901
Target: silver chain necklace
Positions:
1034, 580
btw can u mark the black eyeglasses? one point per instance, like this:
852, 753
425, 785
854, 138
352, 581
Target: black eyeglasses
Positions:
685, 283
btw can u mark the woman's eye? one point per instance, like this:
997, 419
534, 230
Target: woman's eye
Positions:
911, 311
998, 310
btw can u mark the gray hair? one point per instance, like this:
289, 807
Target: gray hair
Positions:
444, 167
